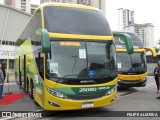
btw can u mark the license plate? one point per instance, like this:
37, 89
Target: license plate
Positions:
88, 105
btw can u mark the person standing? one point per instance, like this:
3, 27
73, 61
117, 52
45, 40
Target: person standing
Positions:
156, 76
1, 82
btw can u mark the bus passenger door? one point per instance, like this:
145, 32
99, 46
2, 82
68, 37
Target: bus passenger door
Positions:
39, 85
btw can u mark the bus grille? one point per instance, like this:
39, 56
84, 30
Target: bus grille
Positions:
85, 97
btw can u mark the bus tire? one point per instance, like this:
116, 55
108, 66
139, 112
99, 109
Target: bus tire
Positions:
27, 86
31, 90
35, 102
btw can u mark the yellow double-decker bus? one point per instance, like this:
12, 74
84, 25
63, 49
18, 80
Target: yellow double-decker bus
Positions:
132, 68
65, 58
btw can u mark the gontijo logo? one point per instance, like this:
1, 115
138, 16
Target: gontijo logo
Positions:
87, 81
132, 77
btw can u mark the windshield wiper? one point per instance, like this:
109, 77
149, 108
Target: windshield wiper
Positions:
72, 75
122, 71
75, 60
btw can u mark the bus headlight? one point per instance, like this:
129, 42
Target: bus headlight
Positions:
112, 90
143, 79
119, 80
56, 93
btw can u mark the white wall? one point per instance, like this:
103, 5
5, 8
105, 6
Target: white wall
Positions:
4, 50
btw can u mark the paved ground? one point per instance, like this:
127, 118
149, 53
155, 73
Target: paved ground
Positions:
150, 68
24, 104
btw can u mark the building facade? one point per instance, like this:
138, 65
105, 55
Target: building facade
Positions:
33, 8
94, 3
125, 18
144, 31
24, 5
12, 23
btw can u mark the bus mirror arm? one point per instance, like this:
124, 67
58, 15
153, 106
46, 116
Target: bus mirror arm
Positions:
128, 41
46, 48
153, 51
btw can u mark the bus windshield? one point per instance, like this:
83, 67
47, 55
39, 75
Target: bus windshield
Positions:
131, 63
75, 21
77, 59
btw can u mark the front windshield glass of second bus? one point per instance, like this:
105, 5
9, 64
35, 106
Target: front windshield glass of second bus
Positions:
72, 59
138, 62
131, 63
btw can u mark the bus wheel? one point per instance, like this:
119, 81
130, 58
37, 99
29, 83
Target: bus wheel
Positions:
35, 102
27, 86
31, 90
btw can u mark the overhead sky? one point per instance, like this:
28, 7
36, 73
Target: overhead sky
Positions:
145, 11
35, 1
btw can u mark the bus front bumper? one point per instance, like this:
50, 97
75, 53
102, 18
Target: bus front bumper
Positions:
131, 83
56, 104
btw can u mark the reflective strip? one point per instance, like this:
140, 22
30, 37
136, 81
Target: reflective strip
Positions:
80, 36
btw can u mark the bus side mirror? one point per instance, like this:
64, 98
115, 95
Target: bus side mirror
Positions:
45, 40
153, 51
128, 41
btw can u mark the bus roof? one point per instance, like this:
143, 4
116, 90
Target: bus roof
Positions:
68, 5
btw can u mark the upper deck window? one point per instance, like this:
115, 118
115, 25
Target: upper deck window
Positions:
75, 21
137, 43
